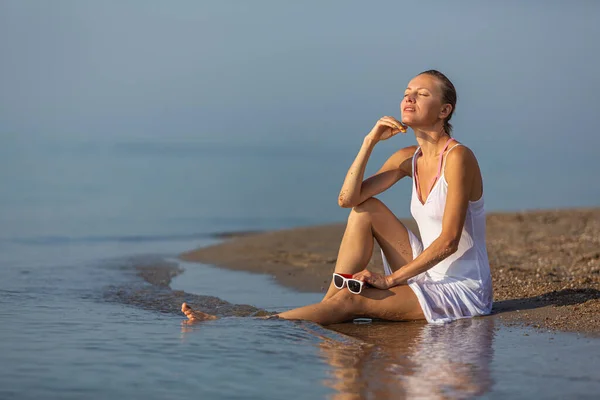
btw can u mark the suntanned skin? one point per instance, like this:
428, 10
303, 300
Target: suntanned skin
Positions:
390, 297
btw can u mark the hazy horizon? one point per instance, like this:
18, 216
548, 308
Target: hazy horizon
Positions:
308, 79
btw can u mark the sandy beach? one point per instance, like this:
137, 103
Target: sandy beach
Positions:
545, 264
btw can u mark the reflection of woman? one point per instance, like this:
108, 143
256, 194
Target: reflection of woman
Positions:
446, 276
418, 361
458, 356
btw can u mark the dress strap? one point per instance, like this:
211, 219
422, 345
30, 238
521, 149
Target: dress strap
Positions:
441, 160
414, 162
444, 166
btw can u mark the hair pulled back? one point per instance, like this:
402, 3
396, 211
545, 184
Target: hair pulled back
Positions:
448, 95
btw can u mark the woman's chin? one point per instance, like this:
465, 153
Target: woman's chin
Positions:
407, 120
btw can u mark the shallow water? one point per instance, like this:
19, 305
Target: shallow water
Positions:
62, 335
240, 287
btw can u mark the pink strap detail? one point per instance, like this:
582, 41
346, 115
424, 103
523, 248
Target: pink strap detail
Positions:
438, 173
441, 159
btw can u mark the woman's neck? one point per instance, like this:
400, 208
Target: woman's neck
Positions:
431, 141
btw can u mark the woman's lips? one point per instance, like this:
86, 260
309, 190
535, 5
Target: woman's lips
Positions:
409, 109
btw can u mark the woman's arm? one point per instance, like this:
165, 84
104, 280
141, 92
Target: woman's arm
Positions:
354, 191
461, 171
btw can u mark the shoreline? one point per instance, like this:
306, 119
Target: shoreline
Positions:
545, 264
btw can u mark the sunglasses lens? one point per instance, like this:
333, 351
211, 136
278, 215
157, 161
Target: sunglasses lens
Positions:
338, 281
354, 286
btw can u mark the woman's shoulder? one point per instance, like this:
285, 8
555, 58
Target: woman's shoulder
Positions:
459, 152
403, 158
459, 156
406, 152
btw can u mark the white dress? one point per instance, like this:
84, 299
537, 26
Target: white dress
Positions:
460, 286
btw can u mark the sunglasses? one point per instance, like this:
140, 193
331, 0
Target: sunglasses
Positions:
354, 285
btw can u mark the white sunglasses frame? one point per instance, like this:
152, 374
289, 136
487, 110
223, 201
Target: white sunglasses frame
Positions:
344, 283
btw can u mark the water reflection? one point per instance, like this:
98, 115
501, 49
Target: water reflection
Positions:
411, 360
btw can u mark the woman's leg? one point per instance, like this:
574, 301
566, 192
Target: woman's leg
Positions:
395, 304
371, 220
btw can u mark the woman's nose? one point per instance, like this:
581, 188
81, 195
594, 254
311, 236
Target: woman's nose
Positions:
410, 98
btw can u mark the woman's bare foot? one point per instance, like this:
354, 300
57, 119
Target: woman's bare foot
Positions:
194, 315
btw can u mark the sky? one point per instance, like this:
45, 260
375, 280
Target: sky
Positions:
315, 75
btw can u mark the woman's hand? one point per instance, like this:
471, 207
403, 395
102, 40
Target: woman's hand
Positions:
385, 128
376, 280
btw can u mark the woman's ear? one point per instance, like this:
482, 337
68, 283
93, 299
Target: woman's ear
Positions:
445, 111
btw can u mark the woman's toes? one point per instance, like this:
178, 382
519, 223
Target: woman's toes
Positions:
194, 315
187, 310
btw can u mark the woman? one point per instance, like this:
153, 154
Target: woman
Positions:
443, 278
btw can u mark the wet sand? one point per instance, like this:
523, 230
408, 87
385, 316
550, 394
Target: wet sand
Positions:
545, 264
153, 291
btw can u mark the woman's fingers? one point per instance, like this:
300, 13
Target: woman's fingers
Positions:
390, 125
394, 122
372, 278
387, 127
361, 275
394, 130
365, 276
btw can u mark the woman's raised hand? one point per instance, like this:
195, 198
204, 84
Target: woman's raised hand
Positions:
385, 128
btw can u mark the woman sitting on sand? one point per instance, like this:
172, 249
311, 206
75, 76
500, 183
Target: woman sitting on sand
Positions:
447, 275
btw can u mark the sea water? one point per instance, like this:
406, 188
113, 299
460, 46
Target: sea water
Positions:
63, 337
77, 320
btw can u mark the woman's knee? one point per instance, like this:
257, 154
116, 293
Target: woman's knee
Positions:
351, 304
366, 208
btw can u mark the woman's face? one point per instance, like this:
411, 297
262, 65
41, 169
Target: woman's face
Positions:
422, 103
